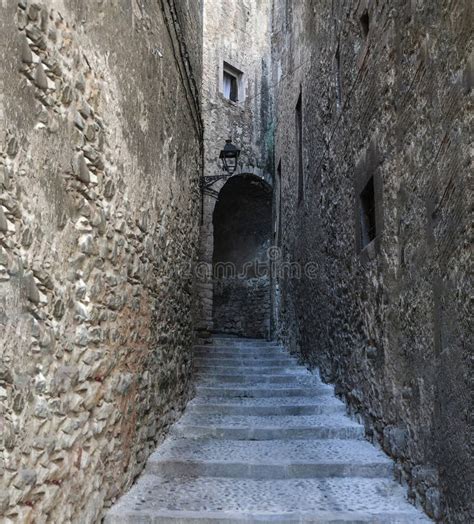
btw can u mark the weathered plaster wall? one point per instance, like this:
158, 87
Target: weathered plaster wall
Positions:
389, 325
239, 33
99, 217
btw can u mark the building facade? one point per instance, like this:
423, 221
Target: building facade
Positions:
100, 158
372, 156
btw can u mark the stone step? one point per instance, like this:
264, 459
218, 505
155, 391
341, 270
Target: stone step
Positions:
247, 370
314, 469
277, 459
193, 425
254, 380
264, 440
241, 342
239, 348
189, 499
250, 357
245, 362
242, 355
239, 353
263, 407
229, 409
260, 392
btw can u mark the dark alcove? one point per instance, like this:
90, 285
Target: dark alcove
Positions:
242, 232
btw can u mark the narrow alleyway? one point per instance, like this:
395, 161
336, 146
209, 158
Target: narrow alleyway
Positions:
223, 173
264, 440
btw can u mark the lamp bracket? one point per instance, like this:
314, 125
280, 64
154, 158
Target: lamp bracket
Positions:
208, 181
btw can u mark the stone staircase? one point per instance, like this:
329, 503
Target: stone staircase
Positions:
264, 440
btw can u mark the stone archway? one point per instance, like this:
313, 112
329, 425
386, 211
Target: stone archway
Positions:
242, 224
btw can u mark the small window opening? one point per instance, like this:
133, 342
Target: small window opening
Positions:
278, 205
365, 23
338, 79
232, 83
288, 12
299, 146
367, 214
231, 87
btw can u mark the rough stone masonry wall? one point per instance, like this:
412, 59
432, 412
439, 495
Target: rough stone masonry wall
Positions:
242, 306
237, 32
100, 153
388, 324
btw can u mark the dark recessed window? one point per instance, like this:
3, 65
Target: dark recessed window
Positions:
232, 81
288, 12
299, 146
231, 87
338, 79
365, 23
278, 205
368, 229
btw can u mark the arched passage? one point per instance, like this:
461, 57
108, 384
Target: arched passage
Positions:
242, 233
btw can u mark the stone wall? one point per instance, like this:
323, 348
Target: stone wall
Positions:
386, 88
100, 154
242, 306
238, 34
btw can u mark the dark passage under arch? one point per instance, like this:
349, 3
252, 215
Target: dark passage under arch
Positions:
242, 234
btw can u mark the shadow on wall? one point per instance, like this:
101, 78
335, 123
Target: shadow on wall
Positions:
242, 234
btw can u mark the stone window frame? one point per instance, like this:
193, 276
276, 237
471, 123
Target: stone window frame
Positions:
230, 68
368, 167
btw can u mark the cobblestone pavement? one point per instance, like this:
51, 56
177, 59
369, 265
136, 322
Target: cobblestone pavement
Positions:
264, 440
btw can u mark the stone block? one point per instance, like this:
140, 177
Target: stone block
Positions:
25, 477
31, 288
3, 221
396, 441
434, 503
41, 80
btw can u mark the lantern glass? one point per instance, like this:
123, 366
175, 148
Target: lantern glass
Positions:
230, 164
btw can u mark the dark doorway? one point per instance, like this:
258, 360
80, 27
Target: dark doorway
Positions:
242, 232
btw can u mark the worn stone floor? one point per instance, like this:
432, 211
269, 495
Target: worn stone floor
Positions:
264, 440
